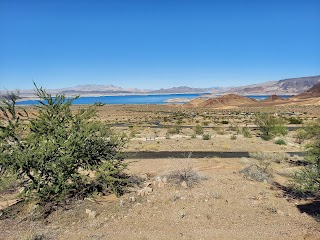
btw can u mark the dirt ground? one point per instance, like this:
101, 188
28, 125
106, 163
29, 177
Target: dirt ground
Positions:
223, 205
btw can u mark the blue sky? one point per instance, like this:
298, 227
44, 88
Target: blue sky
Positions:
157, 43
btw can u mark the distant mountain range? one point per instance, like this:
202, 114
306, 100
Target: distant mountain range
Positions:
291, 86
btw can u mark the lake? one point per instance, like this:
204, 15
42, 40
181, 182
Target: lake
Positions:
136, 99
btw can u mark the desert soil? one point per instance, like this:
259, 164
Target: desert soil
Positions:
223, 205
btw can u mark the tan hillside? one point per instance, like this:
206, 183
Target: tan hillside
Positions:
222, 101
273, 98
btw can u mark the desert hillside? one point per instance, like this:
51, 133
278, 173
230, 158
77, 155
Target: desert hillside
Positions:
222, 101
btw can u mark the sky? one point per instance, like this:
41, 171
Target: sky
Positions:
152, 44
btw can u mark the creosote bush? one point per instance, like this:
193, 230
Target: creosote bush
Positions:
270, 126
59, 154
307, 180
198, 129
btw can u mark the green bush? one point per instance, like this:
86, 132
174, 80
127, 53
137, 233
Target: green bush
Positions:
246, 132
174, 130
233, 137
307, 180
280, 142
270, 126
198, 130
56, 151
293, 120
206, 136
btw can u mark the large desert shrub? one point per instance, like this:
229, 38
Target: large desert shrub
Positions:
59, 153
307, 180
270, 126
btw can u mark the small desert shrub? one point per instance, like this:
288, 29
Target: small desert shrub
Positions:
293, 120
300, 135
186, 174
220, 130
206, 123
246, 132
224, 122
276, 157
233, 137
151, 147
193, 135
255, 173
198, 130
206, 136
280, 142
215, 195
175, 130
133, 131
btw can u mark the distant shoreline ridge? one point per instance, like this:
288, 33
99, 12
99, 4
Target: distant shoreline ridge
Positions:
141, 98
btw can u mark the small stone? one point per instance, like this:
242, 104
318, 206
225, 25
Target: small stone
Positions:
184, 184
182, 214
88, 211
160, 185
147, 190
121, 203
147, 184
92, 214
164, 179
140, 193
132, 199
144, 176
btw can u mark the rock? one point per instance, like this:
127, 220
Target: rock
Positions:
132, 199
91, 214
158, 179
147, 190
164, 179
121, 203
184, 184
144, 191
144, 176
147, 184
182, 214
161, 185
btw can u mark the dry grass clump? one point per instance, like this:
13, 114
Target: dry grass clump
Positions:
186, 175
255, 173
277, 157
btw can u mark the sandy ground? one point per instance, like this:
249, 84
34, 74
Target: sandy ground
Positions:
224, 206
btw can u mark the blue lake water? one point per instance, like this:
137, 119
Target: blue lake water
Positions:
135, 99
